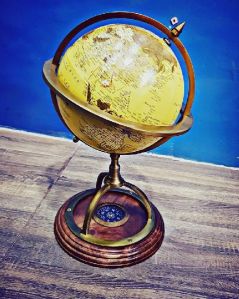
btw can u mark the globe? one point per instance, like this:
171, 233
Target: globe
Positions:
126, 72
119, 88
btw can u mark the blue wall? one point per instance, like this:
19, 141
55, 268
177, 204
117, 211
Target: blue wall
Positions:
31, 31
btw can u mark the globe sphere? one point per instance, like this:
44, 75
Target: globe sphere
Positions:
126, 74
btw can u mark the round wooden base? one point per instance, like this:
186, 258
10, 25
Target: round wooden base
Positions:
105, 256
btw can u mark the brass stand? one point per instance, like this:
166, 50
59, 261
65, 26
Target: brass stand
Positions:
132, 240
112, 180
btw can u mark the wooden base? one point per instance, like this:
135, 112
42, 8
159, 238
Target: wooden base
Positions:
105, 256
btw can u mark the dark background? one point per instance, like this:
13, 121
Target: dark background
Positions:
31, 31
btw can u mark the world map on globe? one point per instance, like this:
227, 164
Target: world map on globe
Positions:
127, 72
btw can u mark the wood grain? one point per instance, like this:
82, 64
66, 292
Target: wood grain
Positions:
199, 257
109, 257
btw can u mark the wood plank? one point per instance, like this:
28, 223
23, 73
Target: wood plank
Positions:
29, 168
199, 257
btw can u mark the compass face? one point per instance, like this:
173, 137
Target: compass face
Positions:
111, 215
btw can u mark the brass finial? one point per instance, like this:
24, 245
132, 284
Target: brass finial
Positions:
176, 31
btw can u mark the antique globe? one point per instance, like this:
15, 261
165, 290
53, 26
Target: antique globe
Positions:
120, 89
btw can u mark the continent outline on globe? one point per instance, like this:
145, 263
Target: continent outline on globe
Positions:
89, 87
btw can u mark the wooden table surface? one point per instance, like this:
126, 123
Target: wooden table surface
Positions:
199, 257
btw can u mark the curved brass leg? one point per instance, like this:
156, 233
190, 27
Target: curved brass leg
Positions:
92, 207
142, 195
100, 179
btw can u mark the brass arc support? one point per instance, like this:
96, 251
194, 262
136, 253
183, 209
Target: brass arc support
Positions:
112, 180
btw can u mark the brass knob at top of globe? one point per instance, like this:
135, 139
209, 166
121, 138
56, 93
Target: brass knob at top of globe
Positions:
119, 88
